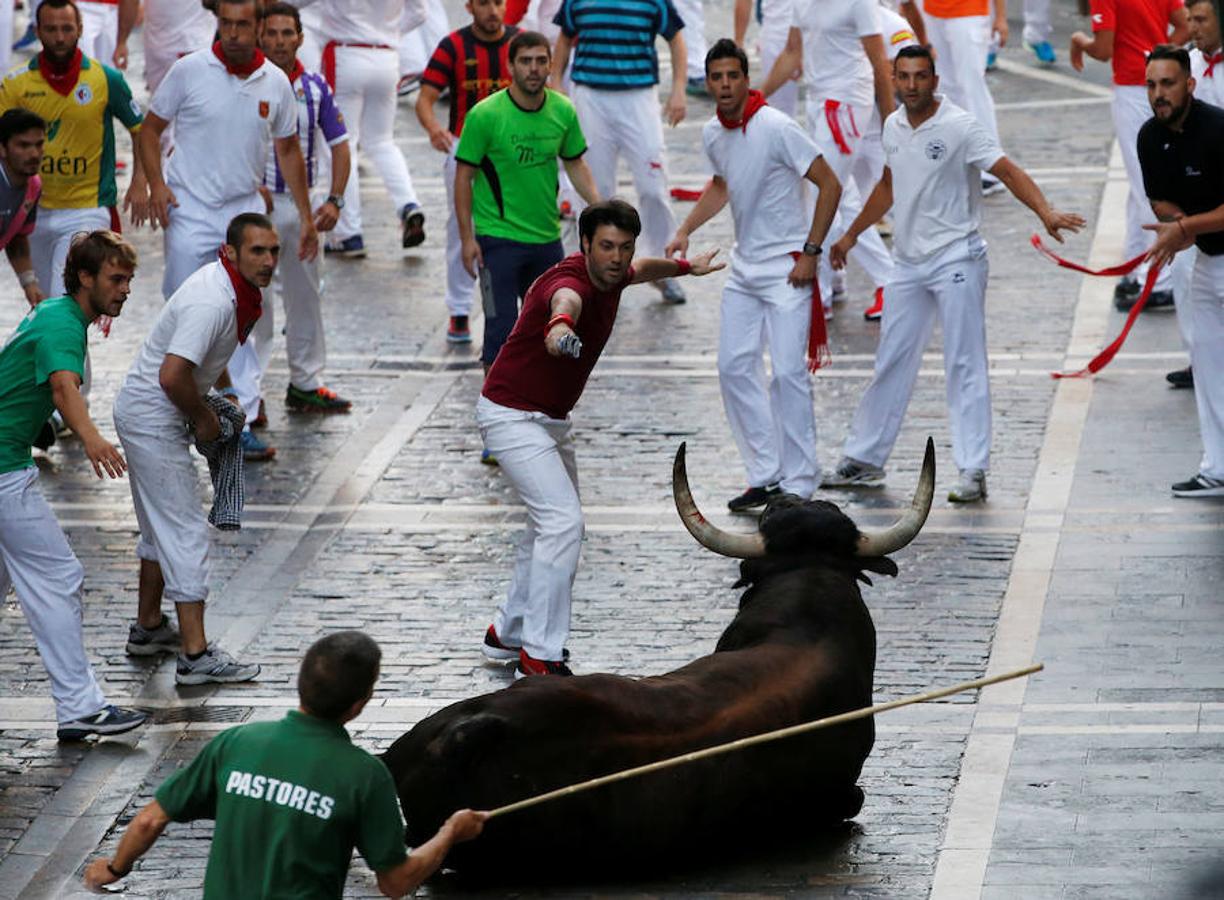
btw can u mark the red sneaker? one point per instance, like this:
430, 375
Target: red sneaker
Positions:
873, 312
493, 648
529, 665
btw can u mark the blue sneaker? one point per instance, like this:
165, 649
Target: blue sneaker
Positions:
108, 720
992, 61
350, 248
1044, 52
487, 458
29, 39
255, 450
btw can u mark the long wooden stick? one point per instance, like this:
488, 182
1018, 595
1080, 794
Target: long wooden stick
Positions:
766, 737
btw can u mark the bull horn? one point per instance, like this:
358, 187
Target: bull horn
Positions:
738, 546
905, 529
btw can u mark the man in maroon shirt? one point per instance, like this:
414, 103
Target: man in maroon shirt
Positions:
523, 414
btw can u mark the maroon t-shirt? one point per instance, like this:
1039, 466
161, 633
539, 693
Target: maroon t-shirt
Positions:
524, 375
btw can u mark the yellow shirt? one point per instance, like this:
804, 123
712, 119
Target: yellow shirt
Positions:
78, 170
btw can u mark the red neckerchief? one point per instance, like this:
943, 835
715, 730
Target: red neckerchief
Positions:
250, 298
257, 60
62, 77
1216, 57
751, 106
297, 71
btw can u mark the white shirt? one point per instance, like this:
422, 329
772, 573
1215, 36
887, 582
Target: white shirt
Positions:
375, 22
199, 323
835, 66
1209, 90
896, 31
223, 125
776, 18
936, 178
177, 26
764, 168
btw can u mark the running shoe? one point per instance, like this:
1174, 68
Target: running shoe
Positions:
253, 449
696, 87
414, 225
1159, 301
1126, 292
1181, 378
46, 436
458, 330
320, 400
992, 61
110, 719
992, 185
530, 666
153, 641
494, 649
487, 458
408, 85
1199, 486
349, 248
970, 488
754, 498
1043, 51
213, 666
673, 294
29, 39
873, 312
853, 473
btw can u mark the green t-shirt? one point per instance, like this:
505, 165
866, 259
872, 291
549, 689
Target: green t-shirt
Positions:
291, 800
50, 339
515, 192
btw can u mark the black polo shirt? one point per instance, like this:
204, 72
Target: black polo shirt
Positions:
1187, 167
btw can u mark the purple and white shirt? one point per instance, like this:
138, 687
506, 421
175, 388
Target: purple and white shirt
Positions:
317, 115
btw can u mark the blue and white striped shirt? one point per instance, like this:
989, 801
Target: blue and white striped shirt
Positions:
615, 49
317, 113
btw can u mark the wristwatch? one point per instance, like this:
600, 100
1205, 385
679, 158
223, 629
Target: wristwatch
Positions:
810, 249
335, 200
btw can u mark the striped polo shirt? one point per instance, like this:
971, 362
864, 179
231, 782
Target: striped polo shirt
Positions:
615, 49
318, 116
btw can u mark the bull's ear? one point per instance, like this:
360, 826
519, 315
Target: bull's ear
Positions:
880, 564
470, 738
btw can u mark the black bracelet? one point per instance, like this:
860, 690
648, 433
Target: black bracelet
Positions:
116, 873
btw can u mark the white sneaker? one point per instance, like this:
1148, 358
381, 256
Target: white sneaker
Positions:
970, 488
853, 473
213, 666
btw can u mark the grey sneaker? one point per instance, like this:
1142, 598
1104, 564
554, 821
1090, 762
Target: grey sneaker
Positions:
853, 473
672, 292
970, 488
107, 720
152, 641
215, 666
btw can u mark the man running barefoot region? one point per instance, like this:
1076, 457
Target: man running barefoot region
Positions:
935, 153
523, 414
293, 798
41, 367
761, 159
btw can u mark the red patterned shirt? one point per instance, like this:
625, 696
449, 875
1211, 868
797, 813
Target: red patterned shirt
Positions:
472, 69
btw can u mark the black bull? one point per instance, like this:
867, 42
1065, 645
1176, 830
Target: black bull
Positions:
801, 647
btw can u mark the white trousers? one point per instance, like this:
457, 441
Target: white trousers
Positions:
6, 36
536, 453
961, 46
460, 286
169, 511
53, 233
1130, 110
1183, 278
36, 561
365, 92
1037, 26
774, 427
197, 231
539, 17
1207, 358
630, 124
417, 44
771, 42
951, 286
99, 30
693, 16
870, 251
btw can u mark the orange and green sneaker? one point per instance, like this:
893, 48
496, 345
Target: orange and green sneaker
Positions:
320, 400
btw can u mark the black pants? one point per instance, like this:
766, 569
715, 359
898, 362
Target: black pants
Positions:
509, 269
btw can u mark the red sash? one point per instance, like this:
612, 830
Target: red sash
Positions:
818, 355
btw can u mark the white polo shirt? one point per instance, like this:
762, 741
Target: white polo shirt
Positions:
223, 125
936, 178
835, 66
375, 22
897, 32
199, 323
764, 168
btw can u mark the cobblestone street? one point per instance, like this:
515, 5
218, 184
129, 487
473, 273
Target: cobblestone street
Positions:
1101, 777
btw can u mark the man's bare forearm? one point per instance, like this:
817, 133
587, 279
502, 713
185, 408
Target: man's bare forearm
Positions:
713, 198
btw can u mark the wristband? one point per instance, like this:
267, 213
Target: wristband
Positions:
683, 267
116, 872
27, 278
560, 318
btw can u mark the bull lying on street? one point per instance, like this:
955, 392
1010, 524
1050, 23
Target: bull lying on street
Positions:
801, 647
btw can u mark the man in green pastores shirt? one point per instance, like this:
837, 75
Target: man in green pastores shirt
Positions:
292, 798
41, 367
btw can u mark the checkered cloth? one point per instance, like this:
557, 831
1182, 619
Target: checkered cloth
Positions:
224, 457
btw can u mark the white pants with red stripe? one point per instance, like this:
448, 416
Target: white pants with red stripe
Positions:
365, 92
693, 16
961, 45
771, 419
36, 561
1207, 358
950, 286
629, 124
1130, 110
836, 131
536, 454
460, 286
